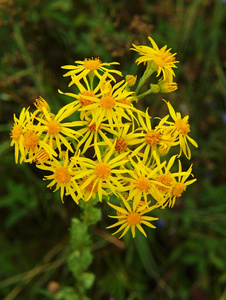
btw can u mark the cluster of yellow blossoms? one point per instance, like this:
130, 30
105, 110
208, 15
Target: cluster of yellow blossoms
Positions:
114, 148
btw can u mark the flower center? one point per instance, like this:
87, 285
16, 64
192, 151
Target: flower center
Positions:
90, 187
152, 137
31, 140
159, 61
107, 102
178, 189
92, 64
182, 126
53, 127
83, 98
41, 156
93, 127
121, 144
143, 184
166, 180
133, 218
16, 132
163, 58
62, 175
102, 170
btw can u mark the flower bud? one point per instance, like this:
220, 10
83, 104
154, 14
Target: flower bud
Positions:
167, 87
40, 103
131, 80
155, 89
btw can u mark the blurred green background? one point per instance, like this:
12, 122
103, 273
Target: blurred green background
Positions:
185, 257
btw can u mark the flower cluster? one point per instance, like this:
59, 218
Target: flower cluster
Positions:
112, 149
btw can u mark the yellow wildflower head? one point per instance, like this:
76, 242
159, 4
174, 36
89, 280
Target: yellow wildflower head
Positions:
132, 218
104, 171
161, 59
180, 129
91, 67
62, 175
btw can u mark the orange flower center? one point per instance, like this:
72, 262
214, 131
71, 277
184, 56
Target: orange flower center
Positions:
178, 189
166, 180
152, 137
102, 170
53, 127
133, 218
31, 140
90, 186
121, 144
143, 184
107, 102
83, 98
182, 126
93, 127
16, 132
92, 64
62, 175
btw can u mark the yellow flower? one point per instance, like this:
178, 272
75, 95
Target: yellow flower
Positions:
87, 95
26, 137
62, 176
55, 129
130, 218
92, 66
178, 186
17, 132
124, 139
112, 105
150, 138
140, 182
104, 172
180, 129
162, 59
165, 180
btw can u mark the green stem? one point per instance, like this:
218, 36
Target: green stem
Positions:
91, 77
150, 69
144, 94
